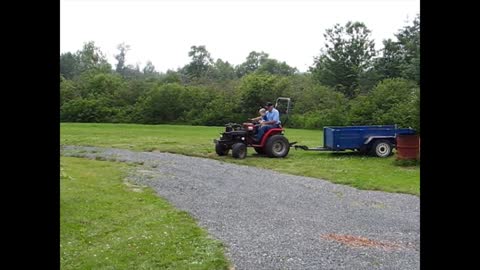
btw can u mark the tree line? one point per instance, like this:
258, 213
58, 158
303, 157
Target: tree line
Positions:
349, 83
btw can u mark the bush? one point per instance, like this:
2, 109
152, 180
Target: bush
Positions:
392, 101
257, 88
317, 106
161, 105
108, 97
86, 110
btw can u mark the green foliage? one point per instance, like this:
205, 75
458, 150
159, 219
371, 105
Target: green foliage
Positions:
123, 48
349, 52
87, 110
367, 81
389, 64
392, 101
130, 90
273, 66
91, 58
260, 62
171, 77
194, 99
314, 105
95, 85
222, 109
162, 104
409, 39
200, 64
401, 58
257, 88
69, 65
322, 116
222, 71
68, 90
253, 61
149, 69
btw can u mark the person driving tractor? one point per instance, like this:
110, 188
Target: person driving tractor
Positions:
272, 121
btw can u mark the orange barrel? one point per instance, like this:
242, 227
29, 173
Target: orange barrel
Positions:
408, 147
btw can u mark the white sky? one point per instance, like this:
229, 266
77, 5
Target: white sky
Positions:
163, 31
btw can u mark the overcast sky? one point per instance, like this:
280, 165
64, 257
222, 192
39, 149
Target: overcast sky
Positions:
163, 31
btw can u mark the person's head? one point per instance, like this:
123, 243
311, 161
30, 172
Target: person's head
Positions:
262, 111
269, 106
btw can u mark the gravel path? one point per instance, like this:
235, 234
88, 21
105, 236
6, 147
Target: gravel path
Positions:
270, 220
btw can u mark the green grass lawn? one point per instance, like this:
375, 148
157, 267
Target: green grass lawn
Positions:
348, 168
106, 223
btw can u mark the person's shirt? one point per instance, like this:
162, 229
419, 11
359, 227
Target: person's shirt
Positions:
274, 115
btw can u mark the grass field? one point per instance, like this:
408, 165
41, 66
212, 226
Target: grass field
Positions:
348, 168
106, 223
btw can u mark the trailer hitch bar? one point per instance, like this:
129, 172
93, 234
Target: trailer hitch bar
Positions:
306, 148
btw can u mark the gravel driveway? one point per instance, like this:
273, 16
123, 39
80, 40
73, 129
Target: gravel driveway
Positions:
270, 220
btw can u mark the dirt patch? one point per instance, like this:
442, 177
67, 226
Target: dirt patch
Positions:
358, 241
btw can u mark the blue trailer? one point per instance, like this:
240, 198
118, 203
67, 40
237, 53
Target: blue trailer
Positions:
376, 140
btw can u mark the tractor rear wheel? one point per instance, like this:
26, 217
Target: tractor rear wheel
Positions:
277, 146
239, 150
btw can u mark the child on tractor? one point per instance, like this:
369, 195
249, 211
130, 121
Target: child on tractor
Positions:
260, 118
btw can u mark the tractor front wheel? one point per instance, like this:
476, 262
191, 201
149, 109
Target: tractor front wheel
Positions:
221, 149
239, 150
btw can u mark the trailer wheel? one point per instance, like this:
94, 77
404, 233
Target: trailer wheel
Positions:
381, 148
277, 146
221, 149
239, 150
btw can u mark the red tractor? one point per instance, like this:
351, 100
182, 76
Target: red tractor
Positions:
238, 137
